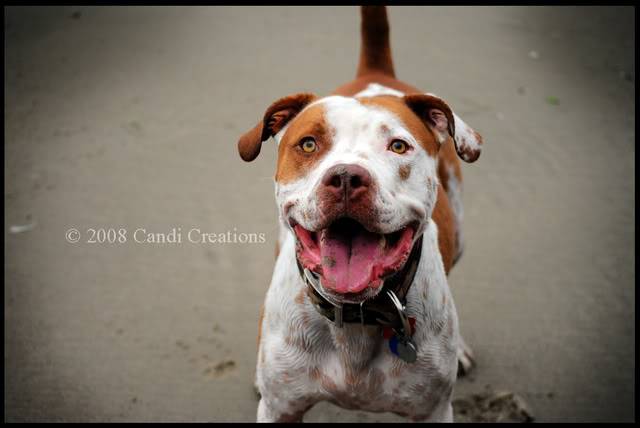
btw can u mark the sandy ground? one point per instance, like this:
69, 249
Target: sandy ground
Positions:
129, 117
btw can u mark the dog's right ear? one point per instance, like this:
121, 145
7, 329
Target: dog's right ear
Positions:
275, 118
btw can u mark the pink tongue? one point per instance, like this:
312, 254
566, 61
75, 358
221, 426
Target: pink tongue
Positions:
351, 263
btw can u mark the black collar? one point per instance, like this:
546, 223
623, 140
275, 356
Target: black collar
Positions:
377, 311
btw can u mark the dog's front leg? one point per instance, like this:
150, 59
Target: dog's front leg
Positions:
284, 390
271, 410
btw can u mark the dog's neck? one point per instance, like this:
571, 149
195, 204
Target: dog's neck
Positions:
354, 344
380, 310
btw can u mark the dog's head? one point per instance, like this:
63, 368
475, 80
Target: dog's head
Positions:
356, 180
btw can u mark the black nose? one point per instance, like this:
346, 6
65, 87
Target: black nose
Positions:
347, 181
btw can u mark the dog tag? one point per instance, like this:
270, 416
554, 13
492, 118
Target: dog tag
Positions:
407, 351
404, 348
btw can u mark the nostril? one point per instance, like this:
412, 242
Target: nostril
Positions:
335, 181
355, 182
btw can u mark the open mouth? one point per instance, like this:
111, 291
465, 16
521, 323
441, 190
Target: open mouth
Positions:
350, 260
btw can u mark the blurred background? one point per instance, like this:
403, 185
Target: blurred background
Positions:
128, 117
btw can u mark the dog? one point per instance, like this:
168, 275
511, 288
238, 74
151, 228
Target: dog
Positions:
368, 189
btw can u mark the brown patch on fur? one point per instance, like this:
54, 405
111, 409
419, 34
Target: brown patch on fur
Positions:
296, 340
404, 172
423, 134
350, 379
314, 373
443, 217
299, 299
478, 137
360, 83
299, 408
434, 112
447, 158
305, 320
275, 118
293, 163
328, 384
468, 152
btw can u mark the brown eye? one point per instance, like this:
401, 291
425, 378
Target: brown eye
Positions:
398, 146
308, 145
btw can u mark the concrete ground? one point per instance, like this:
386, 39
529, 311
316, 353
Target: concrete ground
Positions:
128, 117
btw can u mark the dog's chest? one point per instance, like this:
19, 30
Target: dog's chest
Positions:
359, 372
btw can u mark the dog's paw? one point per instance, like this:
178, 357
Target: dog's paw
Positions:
466, 360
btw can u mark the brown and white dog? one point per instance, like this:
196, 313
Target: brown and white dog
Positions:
368, 192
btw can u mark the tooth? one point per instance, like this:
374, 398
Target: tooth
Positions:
383, 241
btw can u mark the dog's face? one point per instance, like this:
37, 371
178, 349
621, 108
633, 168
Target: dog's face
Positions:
356, 181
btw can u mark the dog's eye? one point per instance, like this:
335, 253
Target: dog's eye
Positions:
398, 146
308, 145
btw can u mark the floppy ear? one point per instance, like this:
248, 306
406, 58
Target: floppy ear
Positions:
444, 122
275, 118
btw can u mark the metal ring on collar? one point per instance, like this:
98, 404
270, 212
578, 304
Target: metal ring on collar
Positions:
401, 312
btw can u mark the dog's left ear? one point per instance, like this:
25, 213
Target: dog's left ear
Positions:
439, 117
275, 118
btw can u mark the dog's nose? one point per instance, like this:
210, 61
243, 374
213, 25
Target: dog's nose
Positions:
347, 181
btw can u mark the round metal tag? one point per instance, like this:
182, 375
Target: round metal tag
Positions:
407, 351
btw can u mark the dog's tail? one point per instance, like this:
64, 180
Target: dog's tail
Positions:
375, 51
